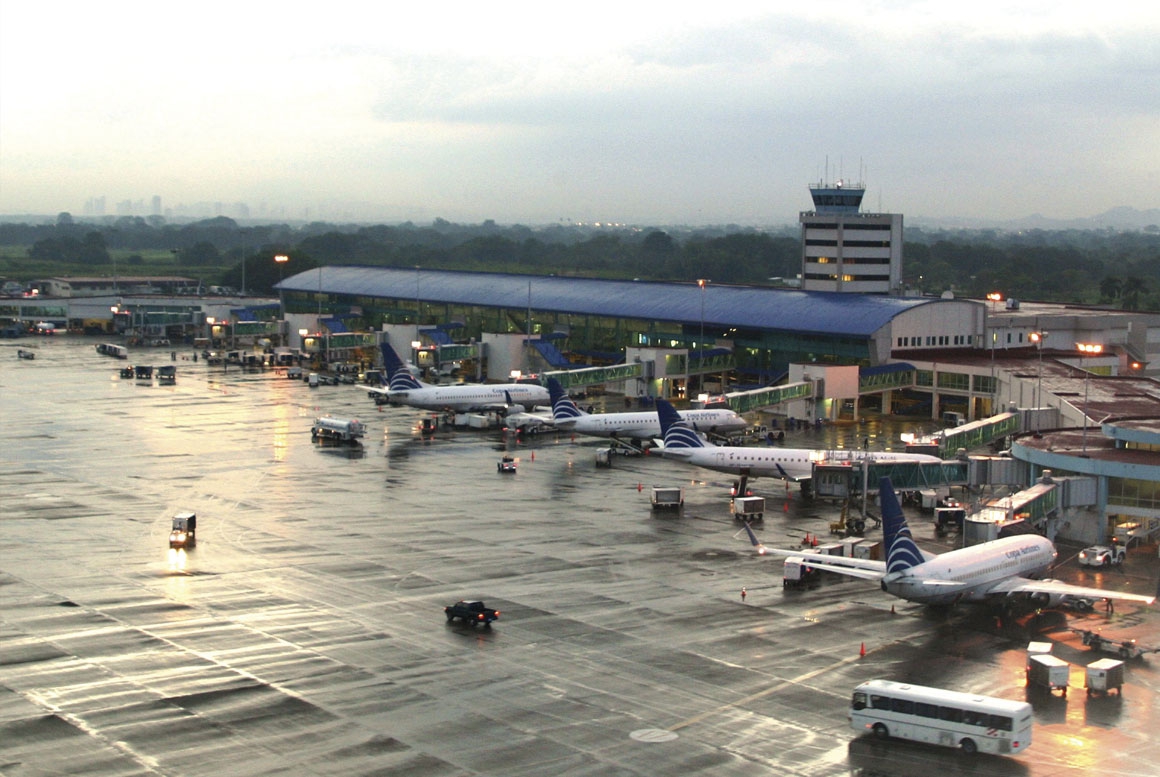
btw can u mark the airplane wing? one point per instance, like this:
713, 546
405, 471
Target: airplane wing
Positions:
864, 568
1024, 585
786, 476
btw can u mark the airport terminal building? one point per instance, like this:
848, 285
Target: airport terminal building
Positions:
592, 321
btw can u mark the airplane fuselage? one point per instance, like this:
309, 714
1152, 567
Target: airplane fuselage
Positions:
646, 425
970, 574
468, 398
795, 462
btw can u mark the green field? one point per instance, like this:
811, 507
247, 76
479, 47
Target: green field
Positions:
15, 265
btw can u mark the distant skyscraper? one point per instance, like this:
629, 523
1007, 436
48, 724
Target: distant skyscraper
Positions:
155, 210
846, 250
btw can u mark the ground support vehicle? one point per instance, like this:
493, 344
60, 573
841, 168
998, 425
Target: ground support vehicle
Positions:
506, 465
471, 612
797, 572
749, 508
1126, 648
1102, 555
949, 519
1048, 672
341, 429
846, 526
1105, 676
664, 498
183, 535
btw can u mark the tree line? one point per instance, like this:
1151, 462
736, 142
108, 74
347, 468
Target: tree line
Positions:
1070, 266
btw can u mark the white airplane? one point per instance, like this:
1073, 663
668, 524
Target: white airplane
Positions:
642, 425
994, 569
796, 464
404, 389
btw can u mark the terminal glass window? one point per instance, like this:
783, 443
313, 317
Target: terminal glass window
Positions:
985, 384
924, 378
1131, 492
956, 381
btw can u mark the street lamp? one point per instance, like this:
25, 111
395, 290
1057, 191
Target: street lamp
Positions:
280, 260
994, 297
702, 282
1038, 338
1087, 348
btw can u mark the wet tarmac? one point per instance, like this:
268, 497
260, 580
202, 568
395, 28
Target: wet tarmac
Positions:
304, 635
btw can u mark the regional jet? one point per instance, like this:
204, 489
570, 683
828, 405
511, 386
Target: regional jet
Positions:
405, 389
643, 425
990, 570
684, 443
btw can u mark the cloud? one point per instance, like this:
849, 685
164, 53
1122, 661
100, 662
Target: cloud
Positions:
532, 108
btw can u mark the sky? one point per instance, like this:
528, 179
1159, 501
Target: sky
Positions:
538, 113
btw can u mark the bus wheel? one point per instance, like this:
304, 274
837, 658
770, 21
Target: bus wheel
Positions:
880, 731
969, 746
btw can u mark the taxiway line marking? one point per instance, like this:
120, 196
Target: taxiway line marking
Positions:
766, 692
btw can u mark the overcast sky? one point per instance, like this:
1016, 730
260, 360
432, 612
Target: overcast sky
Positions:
657, 113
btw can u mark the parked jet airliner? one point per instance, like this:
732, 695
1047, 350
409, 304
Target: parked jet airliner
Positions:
405, 389
989, 570
642, 425
796, 464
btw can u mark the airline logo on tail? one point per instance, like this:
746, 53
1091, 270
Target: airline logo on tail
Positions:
676, 432
901, 551
563, 408
400, 378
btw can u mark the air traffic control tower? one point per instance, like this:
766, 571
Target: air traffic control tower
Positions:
846, 250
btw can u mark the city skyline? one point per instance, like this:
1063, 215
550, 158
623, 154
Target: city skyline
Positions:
532, 114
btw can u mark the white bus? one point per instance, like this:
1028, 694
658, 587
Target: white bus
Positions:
949, 718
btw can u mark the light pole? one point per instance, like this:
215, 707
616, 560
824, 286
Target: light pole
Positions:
702, 282
1087, 348
994, 297
1037, 338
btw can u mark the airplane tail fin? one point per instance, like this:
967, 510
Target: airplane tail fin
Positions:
676, 432
901, 551
400, 378
563, 408
391, 361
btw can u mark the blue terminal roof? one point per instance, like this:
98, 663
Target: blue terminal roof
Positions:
744, 307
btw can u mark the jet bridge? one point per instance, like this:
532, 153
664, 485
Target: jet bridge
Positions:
843, 480
976, 434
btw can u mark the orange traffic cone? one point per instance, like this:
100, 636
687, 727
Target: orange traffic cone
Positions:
862, 651
533, 455
640, 486
785, 507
